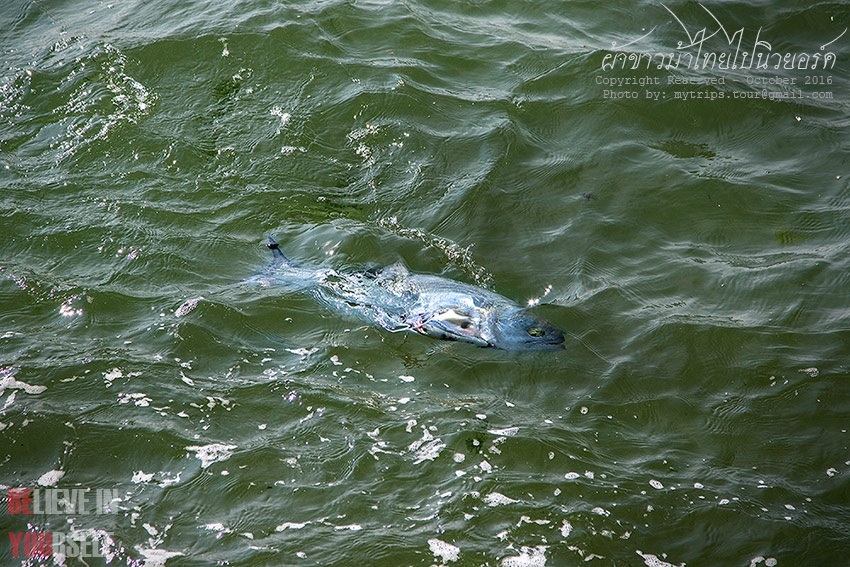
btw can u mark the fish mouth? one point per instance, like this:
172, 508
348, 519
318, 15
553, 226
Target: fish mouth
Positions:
448, 332
555, 343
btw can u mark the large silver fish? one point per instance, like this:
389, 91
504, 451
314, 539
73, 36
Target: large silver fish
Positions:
397, 300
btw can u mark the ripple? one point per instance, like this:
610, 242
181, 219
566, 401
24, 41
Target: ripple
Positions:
699, 257
90, 95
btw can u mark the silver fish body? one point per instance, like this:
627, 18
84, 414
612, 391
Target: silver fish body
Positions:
395, 299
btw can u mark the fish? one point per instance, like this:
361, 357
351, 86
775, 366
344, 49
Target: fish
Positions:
397, 300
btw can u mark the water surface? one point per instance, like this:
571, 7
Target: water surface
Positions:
694, 240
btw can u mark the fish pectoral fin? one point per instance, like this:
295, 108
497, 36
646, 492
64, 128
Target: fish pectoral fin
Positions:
415, 323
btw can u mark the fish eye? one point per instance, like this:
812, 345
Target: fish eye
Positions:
465, 325
536, 332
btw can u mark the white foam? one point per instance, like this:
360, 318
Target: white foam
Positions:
379, 447
156, 557
427, 448
507, 432
653, 561
141, 476
50, 478
188, 306
498, 499
214, 452
7, 380
302, 351
528, 520
446, 552
108, 377
137, 398
528, 557
290, 526
218, 527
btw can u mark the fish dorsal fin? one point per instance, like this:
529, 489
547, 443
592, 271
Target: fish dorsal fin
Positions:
275, 248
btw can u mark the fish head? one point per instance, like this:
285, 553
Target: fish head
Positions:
517, 329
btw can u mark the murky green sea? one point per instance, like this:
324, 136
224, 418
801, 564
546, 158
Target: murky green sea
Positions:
671, 178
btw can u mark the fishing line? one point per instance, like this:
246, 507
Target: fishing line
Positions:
49, 16
590, 348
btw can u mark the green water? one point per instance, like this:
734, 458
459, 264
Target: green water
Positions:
696, 251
